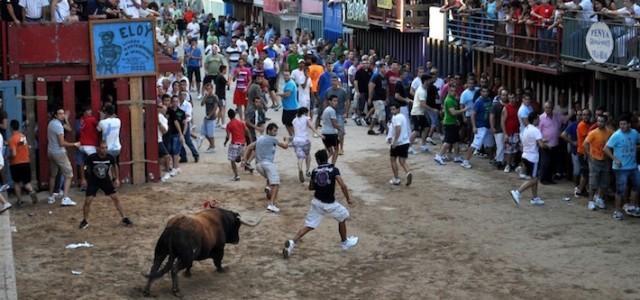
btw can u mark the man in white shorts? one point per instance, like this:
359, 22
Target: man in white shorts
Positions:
265, 148
480, 124
323, 183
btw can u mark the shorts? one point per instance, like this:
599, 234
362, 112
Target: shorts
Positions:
162, 150
60, 162
320, 209
379, 110
235, 152
208, 128
288, 116
240, 97
21, 173
173, 144
87, 149
269, 171
483, 137
433, 118
624, 178
304, 102
340, 121
208, 78
530, 168
451, 134
511, 144
105, 185
330, 140
401, 151
194, 71
584, 166
599, 174
273, 83
302, 149
419, 123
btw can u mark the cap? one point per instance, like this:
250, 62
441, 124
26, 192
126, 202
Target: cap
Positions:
365, 57
300, 61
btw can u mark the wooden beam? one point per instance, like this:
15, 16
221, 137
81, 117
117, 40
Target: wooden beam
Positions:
30, 110
43, 120
96, 102
122, 94
69, 105
151, 128
137, 130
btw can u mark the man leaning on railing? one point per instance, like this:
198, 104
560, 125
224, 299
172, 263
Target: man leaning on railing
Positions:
626, 37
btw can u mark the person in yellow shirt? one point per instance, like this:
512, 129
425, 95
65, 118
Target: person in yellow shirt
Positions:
599, 164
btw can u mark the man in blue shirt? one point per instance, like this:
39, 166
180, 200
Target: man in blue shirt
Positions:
621, 149
338, 68
193, 60
324, 83
289, 98
480, 125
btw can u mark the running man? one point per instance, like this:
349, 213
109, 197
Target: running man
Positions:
100, 166
236, 131
330, 128
399, 139
301, 142
323, 183
265, 148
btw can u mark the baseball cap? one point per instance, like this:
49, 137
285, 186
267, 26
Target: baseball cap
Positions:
300, 61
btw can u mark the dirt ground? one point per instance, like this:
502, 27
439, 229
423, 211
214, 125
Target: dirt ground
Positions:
454, 233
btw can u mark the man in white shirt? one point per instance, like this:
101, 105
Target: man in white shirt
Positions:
130, 8
242, 43
60, 10
418, 114
34, 9
187, 107
193, 29
532, 141
399, 139
110, 128
163, 127
303, 81
417, 82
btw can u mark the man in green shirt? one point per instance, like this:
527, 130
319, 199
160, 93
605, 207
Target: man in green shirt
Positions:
293, 58
339, 48
451, 128
212, 65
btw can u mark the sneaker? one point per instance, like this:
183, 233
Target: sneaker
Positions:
591, 205
430, 140
210, 150
308, 174
515, 195
165, 177
66, 201
634, 212
288, 248
267, 191
84, 224
196, 159
371, 132
507, 169
600, 203
524, 177
465, 164
576, 192
199, 142
617, 215
126, 222
394, 181
411, 151
536, 201
51, 199
634, 61
5, 206
273, 208
409, 179
424, 148
4, 188
235, 178
349, 243
34, 197
458, 159
301, 176
439, 160
519, 169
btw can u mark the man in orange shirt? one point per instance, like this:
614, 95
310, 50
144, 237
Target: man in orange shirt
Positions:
599, 165
315, 71
581, 133
19, 163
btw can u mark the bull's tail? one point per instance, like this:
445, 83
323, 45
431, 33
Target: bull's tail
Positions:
163, 249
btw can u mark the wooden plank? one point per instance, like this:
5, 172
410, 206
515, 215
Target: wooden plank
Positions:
30, 110
69, 105
8, 290
96, 102
43, 120
151, 129
122, 94
137, 130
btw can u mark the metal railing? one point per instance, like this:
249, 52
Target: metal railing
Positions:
533, 45
626, 42
471, 29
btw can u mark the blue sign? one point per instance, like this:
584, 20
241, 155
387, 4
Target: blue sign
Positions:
332, 20
123, 48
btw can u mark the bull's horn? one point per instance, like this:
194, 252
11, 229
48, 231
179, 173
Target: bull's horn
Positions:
253, 222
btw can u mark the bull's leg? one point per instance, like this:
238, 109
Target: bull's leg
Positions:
157, 262
174, 278
217, 255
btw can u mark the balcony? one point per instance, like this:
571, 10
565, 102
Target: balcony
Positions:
618, 54
471, 29
536, 48
404, 15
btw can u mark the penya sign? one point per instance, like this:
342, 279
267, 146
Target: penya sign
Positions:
599, 42
356, 13
123, 48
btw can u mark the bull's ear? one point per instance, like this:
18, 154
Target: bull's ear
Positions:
206, 204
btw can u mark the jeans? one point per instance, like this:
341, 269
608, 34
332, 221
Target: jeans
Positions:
189, 143
499, 146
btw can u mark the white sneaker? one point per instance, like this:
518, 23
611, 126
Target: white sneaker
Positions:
536, 201
519, 169
439, 160
210, 150
424, 148
200, 141
288, 248
458, 159
165, 177
600, 203
515, 195
273, 208
66, 201
5, 206
465, 164
524, 177
51, 199
4, 188
411, 151
430, 140
349, 243
394, 181
507, 169
175, 172
591, 205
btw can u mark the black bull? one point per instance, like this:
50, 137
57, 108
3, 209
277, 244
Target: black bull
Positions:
187, 238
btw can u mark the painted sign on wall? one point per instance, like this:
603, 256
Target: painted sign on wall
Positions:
123, 48
356, 13
599, 42
332, 17
385, 4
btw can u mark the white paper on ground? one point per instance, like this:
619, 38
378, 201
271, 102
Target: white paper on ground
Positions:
76, 272
79, 245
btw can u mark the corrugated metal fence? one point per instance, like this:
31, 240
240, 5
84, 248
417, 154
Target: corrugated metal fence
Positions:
448, 58
404, 47
313, 23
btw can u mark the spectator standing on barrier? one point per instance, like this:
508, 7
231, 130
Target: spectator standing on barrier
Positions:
34, 10
11, 11
89, 139
110, 129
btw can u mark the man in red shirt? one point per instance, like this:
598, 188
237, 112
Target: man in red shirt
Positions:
542, 15
237, 130
88, 139
188, 16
